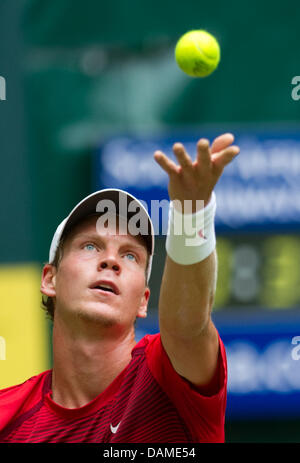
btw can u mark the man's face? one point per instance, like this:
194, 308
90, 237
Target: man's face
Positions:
101, 276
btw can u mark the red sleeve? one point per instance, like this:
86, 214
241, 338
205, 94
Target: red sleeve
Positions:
203, 414
16, 400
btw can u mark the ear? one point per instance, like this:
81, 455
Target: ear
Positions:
48, 280
142, 312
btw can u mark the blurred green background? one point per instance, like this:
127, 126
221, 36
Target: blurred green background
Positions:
78, 72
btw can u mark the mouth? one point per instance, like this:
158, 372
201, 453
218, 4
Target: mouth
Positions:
105, 287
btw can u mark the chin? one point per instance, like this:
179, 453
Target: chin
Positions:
97, 316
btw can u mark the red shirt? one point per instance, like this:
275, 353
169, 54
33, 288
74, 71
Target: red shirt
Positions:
147, 402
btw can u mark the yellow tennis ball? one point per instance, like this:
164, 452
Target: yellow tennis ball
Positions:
197, 53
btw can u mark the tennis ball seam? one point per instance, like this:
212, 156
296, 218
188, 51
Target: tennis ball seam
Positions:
212, 58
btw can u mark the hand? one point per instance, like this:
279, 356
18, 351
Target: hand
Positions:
196, 180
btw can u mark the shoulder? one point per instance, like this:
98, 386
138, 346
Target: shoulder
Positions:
16, 400
208, 399
147, 342
27, 385
158, 360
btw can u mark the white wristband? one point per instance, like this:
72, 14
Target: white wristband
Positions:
191, 237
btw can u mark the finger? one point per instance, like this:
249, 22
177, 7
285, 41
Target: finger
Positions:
182, 157
165, 163
224, 157
222, 142
203, 153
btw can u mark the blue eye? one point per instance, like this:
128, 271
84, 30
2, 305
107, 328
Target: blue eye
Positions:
89, 247
132, 255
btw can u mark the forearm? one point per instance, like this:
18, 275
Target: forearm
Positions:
187, 295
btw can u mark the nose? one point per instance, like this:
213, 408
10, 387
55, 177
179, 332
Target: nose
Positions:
110, 262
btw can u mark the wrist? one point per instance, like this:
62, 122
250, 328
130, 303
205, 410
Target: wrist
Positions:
191, 235
191, 206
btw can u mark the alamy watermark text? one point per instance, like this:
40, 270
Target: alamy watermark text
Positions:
296, 349
136, 222
296, 88
2, 89
2, 348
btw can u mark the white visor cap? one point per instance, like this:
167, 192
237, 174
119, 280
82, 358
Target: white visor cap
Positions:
125, 205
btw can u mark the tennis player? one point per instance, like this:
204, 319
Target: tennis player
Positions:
104, 386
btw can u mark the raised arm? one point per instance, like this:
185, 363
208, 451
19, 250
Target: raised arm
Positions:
187, 290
